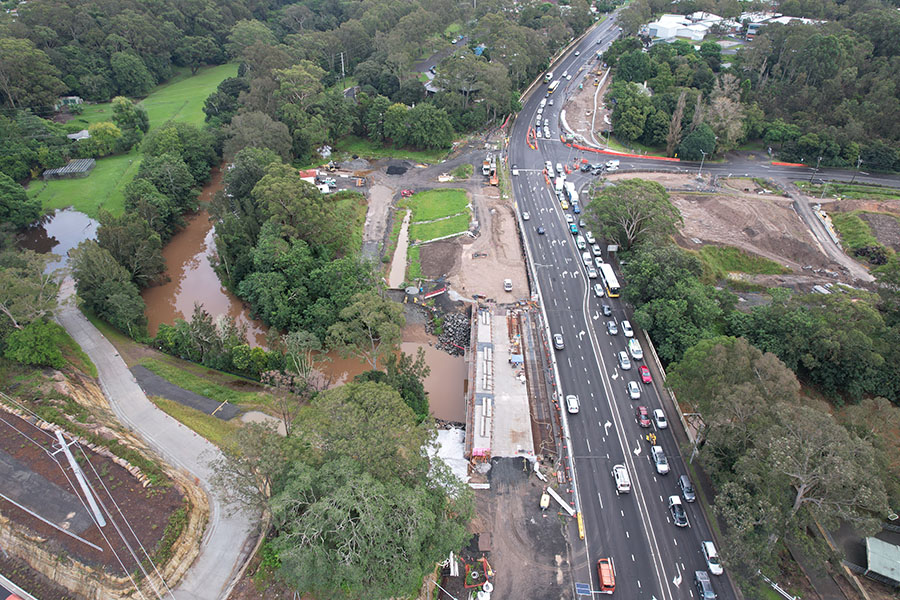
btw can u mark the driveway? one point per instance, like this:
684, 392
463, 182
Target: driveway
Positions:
228, 539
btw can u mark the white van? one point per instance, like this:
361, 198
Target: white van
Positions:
586, 258
580, 242
620, 476
559, 169
712, 558
507, 285
634, 348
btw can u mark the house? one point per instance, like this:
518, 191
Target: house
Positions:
669, 26
309, 175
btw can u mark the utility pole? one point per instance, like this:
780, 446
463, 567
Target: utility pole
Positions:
700, 171
816, 171
342, 68
858, 162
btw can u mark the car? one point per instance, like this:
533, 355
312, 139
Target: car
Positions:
704, 586
687, 488
559, 169
507, 285
620, 476
624, 362
569, 218
546, 122
572, 403
540, 111
432, 70
606, 310
547, 132
539, 133
565, 74
586, 258
634, 390
515, 170
598, 261
712, 557
599, 41
643, 416
576, 208
659, 418
645, 374
453, 41
558, 341
526, 216
543, 103
565, 206
589, 236
659, 459
541, 231
581, 222
551, 102
607, 573
627, 330
577, 53
549, 166
634, 348
677, 510
573, 228
568, 78
595, 248
585, 167
598, 290
592, 273
612, 328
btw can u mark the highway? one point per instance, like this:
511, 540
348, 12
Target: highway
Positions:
653, 558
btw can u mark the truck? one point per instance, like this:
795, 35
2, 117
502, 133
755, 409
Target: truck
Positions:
486, 165
548, 77
560, 183
612, 164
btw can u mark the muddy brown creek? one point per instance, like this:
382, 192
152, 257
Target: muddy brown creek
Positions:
193, 281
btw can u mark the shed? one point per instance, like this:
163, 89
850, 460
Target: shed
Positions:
883, 561
76, 168
79, 135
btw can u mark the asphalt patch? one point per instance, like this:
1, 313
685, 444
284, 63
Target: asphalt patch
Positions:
154, 385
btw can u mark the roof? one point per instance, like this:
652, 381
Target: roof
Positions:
79, 135
82, 165
883, 558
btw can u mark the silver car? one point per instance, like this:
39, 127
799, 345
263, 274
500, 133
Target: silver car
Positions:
634, 390
659, 459
624, 361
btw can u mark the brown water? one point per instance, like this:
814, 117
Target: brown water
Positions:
192, 278
58, 232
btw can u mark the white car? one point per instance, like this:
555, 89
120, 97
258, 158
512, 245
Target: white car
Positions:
623, 482
568, 78
659, 417
577, 53
598, 290
598, 261
551, 102
565, 74
589, 236
569, 219
634, 390
592, 273
586, 258
596, 249
526, 216
540, 111
711, 556
627, 331
659, 459
572, 403
538, 133
624, 361
549, 166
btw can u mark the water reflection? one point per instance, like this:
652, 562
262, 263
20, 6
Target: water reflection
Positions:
58, 232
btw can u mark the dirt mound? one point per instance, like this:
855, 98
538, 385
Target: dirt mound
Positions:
440, 258
763, 225
398, 167
885, 228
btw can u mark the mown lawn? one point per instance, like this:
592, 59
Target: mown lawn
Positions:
180, 99
414, 270
352, 145
211, 428
193, 382
429, 231
854, 232
434, 204
721, 260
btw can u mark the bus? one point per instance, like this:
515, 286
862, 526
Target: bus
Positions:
609, 280
548, 77
552, 87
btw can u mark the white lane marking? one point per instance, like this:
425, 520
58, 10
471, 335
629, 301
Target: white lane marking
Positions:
600, 499
588, 442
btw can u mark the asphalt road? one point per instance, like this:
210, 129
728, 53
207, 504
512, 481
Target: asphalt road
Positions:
653, 558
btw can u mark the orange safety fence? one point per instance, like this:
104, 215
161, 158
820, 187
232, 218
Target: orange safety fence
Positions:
787, 164
624, 154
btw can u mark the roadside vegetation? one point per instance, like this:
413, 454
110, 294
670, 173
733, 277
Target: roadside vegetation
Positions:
211, 428
463, 171
849, 190
719, 261
856, 235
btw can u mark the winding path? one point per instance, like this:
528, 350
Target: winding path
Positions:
228, 539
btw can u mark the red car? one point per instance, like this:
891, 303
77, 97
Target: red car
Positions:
645, 375
406, 193
643, 417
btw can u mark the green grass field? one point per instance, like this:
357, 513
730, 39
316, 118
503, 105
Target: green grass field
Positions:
847, 190
429, 231
721, 260
854, 232
180, 99
414, 270
205, 387
352, 145
212, 428
435, 204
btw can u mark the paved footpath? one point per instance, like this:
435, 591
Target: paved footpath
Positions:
228, 538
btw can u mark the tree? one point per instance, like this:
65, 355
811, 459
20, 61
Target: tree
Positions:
407, 376
300, 84
27, 293
144, 201
726, 115
27, 78
253, 464
106, 288
195, 146
171, 177
195, 51
428, 127
257, 130
128, 115
246, 33
104, 139
368, 328
38, 343
134, 245
394, 536
635, 66
696, 143
674, 136
300, 349
16, 208
131, 74
632, 211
